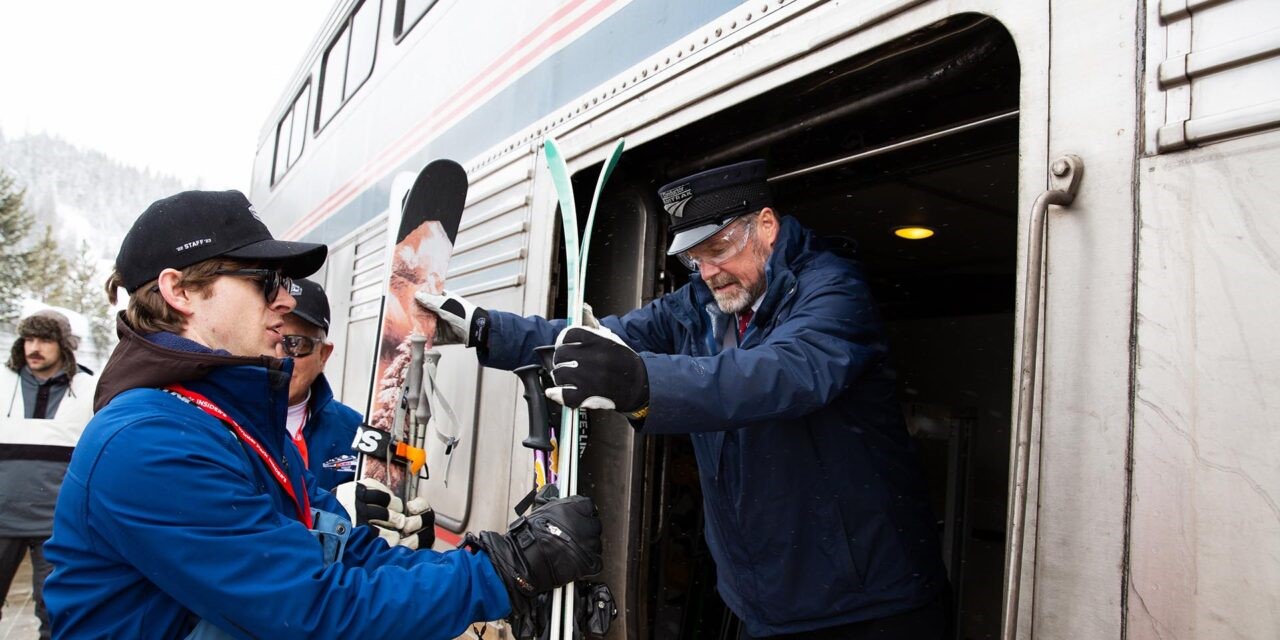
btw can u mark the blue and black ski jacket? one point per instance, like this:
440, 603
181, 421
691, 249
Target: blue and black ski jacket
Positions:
166, 518
816, 510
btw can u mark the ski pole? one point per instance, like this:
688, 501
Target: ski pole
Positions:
539, 431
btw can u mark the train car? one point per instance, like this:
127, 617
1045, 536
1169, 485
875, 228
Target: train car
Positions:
1084, 346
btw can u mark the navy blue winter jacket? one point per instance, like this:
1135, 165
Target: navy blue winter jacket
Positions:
329, 431
165, 518
816, 512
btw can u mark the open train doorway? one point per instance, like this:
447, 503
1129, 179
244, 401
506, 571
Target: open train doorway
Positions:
918, 137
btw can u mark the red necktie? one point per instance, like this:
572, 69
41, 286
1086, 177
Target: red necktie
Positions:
744, 318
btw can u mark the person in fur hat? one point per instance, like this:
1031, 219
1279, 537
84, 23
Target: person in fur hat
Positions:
47, 400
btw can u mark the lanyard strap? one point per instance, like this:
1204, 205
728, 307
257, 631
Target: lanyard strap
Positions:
300, 441
303, 506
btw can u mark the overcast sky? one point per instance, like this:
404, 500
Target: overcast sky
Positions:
179, 86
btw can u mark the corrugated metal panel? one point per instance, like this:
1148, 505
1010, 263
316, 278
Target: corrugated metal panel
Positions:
493, 237
368, 271
1218, 73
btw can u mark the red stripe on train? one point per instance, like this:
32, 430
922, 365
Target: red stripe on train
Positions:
402, 147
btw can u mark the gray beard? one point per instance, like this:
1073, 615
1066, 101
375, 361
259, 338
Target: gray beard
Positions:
742, 298
734, 302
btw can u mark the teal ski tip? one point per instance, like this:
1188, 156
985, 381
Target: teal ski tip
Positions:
563, 183
605, 171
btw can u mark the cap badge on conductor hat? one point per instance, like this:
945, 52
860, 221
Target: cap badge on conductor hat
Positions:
706, 202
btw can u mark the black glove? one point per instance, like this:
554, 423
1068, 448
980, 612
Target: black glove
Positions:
555, 544
594, 369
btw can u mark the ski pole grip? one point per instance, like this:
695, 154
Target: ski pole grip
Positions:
546, 356
539, 436
413, 377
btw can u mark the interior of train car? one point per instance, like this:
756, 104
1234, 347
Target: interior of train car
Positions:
921, 132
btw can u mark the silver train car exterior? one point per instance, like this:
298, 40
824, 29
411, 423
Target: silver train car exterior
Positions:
1085, 348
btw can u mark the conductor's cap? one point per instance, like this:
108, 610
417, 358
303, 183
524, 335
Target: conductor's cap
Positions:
706, 202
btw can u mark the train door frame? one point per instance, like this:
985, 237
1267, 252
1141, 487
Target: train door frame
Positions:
769, 54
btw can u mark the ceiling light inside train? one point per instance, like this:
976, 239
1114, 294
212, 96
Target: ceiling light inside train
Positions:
913, 233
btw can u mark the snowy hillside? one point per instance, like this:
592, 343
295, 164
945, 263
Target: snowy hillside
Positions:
83, 194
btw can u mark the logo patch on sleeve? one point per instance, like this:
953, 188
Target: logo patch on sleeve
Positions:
345, 463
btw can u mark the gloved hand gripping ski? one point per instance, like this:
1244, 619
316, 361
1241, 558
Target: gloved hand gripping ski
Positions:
555, 544
461, 322
595, 369
371, 503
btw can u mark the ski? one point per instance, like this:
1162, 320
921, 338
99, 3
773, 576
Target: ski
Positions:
562, 463
391, 443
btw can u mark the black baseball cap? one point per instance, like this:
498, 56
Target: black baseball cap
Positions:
313, 304
194, 226
706, 202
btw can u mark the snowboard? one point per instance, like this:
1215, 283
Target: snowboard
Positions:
390, 446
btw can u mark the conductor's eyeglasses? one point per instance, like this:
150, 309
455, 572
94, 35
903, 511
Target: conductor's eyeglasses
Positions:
721, 247
270, 279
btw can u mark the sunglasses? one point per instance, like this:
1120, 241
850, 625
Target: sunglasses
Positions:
296, 346
270, 279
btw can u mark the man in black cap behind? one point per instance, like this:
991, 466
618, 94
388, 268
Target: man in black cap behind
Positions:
773, 359
323, 428
186, 512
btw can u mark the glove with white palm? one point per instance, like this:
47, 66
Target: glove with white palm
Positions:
369, 502
460, 321
595, 369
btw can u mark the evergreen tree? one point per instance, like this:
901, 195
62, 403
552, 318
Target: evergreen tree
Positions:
84, 294
15, 225
49, 272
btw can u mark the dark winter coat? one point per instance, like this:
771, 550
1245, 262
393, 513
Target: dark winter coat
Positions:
329, 431
816, 512
34, 452
165, 518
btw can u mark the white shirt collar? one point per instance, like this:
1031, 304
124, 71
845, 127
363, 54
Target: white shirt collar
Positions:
297, 416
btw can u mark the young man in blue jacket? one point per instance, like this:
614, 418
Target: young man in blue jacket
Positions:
323, 428
773, 359
186, 512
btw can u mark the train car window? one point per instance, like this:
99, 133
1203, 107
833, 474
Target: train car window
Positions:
291, 134
299, 136
364, 40
283, 131
331, 78
409, 12
348, 61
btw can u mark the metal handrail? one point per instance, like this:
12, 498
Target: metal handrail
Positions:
1070, 168
898, 145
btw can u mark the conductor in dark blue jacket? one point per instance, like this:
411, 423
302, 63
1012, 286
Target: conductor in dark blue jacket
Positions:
773, 359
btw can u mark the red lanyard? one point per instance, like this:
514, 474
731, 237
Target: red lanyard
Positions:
207, 405
300, 441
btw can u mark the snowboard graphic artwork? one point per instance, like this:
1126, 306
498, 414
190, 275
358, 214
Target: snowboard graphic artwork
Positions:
418, 260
